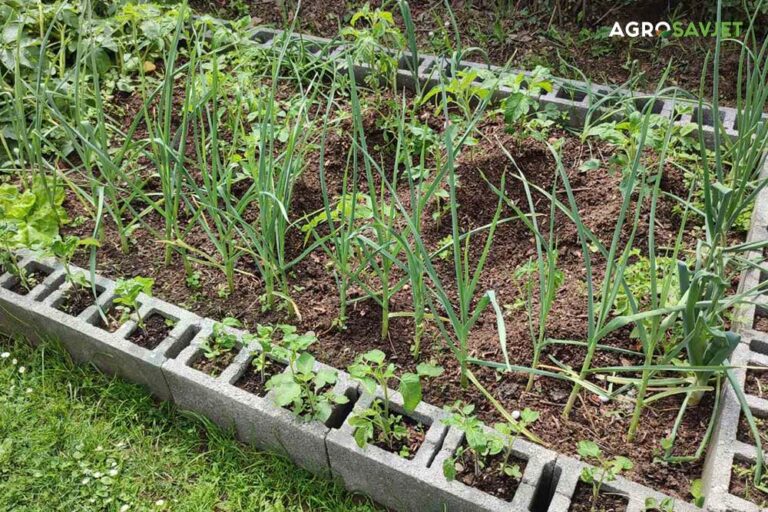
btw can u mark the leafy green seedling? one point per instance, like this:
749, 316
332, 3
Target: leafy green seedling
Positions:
606, 469
64, 250
220, 341
127, 294
302, 387
482, 443
697, 491
8, 258
372, 370
510, 432
263, 337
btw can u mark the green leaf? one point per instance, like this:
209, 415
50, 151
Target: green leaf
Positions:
589, 449
429, 370
410, 388
285, 389
375, 356
449, 469
305, 363
592, 164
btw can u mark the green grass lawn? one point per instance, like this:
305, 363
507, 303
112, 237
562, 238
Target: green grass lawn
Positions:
73, 439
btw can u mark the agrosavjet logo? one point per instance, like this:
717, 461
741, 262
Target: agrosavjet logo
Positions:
677, 29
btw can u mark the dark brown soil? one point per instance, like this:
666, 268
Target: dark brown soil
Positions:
582, 501
76, 300
154, 331
33, 278
113, 321
744, 433
761, 321
411, 442
492, 478
252, 381
214, 367
742, 485
756, 383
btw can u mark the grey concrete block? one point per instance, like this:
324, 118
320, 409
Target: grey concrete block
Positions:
456, 495
256, 420
568, 477
401, 484
22, 313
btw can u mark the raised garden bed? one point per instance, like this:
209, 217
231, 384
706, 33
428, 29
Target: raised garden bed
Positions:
362, 159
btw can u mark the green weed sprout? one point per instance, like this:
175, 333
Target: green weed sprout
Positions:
606, 469
220, 341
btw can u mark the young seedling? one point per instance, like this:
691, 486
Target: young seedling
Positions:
482, 444
64, 250
9, 261
510, 432
220, 341
606, 469
263, 337
304, 389
127, 294
377, 421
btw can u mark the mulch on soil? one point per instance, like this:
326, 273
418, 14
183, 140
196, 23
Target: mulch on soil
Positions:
492, 478
408, 444
215, 366
76, 300
252, 380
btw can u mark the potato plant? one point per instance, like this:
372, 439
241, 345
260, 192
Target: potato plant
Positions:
379, 422
308, 392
